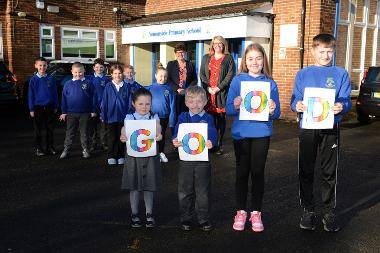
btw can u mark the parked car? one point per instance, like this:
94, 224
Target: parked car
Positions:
368, 102
8, 86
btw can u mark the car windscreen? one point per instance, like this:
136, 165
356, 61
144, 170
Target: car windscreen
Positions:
373, 75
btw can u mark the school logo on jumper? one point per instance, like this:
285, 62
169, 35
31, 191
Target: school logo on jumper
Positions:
84, 86
166, 93
102, 83
330, 82
146, 143
255, 101
193, 143
318, 109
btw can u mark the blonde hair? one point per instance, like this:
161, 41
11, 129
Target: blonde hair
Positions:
159, 67
195, 91
77, 64
128, 66
257, 47
222, 40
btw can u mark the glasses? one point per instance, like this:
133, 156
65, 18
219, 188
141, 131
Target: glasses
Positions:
180, 52
218, 44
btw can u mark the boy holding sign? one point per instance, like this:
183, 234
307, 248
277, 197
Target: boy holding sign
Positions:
318, 140
194, 177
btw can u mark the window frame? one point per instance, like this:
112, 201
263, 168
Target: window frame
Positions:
114, 45
79, 37
51, 37
1, 42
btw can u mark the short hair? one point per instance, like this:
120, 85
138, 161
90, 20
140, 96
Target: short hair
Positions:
195, 91
40, 59
180, 47
129, 66
159, 67
257, 47
99, 61
141, 92
116, 66
222, 40
325, 39
77, 64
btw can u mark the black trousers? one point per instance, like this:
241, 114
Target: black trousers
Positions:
116, 149
251, 155
220, 124
44, 117
325, 144
164, 125
73, 122
194, 184
95, 134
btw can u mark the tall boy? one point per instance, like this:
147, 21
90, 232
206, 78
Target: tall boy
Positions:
99, 81
43, 104
78, 106
322, 142
129, 80
194, 178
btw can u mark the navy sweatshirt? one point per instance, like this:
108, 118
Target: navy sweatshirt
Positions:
42, 91
78, 96
132, 87
99, 85
115, 104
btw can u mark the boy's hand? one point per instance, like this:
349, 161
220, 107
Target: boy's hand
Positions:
177, 143
62, 117
123, 138
272, 106
300, 107
237, 102
209, 144
93, 115
31, 114
158, 137
337, 108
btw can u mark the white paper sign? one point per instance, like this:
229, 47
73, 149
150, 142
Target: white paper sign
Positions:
140, 137
255, 97
318, 114
193, 137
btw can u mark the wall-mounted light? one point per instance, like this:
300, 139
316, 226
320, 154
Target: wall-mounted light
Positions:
116, 10
21, 14
40, 4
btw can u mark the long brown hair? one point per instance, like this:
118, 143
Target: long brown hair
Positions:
267, 71
223, 41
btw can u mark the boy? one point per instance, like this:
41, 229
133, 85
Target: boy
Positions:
322, 141
129, 80
43, 104
99, 81
78, 106
194, 178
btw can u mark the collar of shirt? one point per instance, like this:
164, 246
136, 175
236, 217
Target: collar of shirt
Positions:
200, 114
40, 76
141, 117
96, 75
119, 85
129, 81
80, 79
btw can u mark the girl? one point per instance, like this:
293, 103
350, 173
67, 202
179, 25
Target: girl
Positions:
163, 104
113, 109
141, 173
251, 138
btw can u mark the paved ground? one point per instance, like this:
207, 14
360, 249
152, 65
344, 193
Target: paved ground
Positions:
75, 205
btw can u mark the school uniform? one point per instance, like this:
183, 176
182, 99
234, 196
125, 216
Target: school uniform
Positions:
194, 178
43, 101
141, 173
78, 102
324, 141
114, 107
132, 87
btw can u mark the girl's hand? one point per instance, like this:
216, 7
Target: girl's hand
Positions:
337, 108
93, 115
272, 106
31, 114
158, 137
237, 102
62, 117
177, 143
300, 107
209, 144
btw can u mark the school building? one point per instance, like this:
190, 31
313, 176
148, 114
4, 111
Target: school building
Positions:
144, 32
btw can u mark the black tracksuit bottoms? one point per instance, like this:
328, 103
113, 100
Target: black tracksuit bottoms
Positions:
44, 117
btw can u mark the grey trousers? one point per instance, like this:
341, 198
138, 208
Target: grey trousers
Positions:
194, 183
73, 121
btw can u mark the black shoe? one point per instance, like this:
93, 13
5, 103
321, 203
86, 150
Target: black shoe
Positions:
104, 147
65, 154
39, 152
150, 223
206, 226
92, 148
52, 151
135, 221
308, 220
186, 226
330, 222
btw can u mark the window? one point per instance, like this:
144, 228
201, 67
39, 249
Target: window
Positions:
110, 45
79, 43
47, 42
1, 43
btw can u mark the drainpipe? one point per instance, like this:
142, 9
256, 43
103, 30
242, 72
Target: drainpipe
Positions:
302, 42
337, 11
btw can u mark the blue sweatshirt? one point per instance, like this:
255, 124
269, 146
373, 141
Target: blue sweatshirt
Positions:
163, 102
251, 128
203, 117
42, 91
99, 84
330, 77
132, 87
78, 96
115, 104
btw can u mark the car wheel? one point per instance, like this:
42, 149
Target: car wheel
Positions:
363, 118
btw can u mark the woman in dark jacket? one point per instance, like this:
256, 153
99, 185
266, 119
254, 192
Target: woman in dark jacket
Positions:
181, 75
216, 73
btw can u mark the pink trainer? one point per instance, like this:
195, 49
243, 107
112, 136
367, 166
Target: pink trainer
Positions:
240, 219
257, 224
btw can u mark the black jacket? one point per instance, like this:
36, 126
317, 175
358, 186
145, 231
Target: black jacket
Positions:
173, 74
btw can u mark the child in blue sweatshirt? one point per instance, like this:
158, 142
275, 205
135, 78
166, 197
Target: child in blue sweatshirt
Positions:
99, 81
114, 107
320, 142
163, 104
194, 178
43, 104
78, 106
251, 138
133, 86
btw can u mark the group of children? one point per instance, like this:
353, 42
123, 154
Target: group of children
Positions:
125, 99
